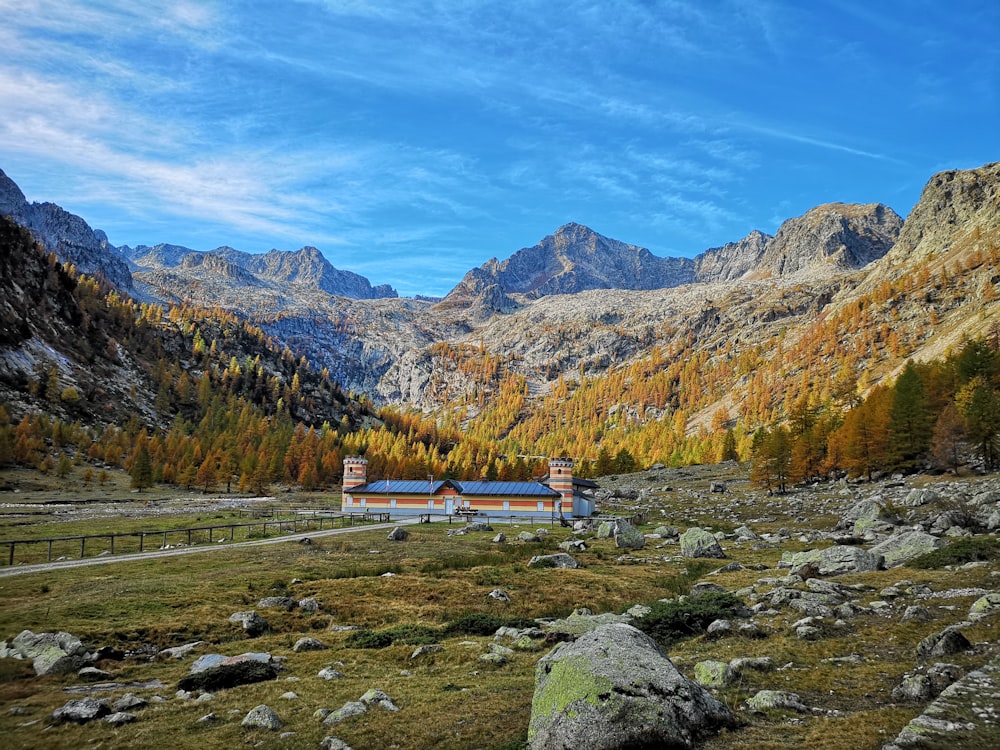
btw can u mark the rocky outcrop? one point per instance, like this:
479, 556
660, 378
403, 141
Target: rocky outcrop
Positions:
65, 234
614, 688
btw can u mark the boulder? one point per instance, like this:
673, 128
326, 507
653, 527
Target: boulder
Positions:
120, 718
262, 717
628, 536
984, 606
614, 688
308, 644
836, 560
500, 595
712, 673
251, 622
309, 604
398, 534
901, 548
948, 641
375, 697
50, 653
80, 711
780, 700
528, 536
696, 542
500, 538
228, 675
333, 743
558, 560
329, 673
277, 602
913, 689
179, 652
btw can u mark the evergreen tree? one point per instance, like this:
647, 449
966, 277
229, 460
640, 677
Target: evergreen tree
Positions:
142, 470
729, 451
910, 420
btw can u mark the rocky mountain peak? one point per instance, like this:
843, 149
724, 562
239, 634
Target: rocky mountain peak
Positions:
951, 203
831, 238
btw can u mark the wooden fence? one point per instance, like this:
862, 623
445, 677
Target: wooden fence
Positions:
190, 536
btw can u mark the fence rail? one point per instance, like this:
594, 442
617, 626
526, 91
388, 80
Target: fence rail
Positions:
314, 521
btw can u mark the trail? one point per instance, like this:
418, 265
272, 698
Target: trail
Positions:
16, 570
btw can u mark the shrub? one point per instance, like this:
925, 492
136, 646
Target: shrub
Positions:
958, 553
476, 623
366, 638
670, 621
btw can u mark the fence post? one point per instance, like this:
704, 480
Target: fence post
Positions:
12, 553
50, 551
112, 544
83, 542
142, 539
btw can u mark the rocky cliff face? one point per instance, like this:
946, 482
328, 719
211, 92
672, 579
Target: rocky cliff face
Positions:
65, 234
952, 204
831, 238
733, 260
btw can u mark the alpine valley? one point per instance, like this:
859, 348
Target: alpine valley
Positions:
575, 344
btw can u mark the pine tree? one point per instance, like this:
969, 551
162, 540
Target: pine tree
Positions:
910, 420
142, 470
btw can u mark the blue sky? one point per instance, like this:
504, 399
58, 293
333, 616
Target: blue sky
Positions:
412, 141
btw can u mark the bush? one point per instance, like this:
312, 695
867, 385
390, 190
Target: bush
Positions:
366, 638
958, 553
476, 623
673, 620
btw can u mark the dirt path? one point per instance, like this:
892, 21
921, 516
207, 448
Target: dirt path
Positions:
16, 570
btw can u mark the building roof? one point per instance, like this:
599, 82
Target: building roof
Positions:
426, 487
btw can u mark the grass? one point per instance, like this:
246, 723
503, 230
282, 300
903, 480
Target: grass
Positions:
433, 588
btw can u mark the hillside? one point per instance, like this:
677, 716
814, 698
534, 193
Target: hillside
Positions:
582, 343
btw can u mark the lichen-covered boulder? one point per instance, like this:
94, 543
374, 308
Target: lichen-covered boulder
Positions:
697, 542
262, 717
779, 700
711, 673
836, 560
901, 548
628, 536
558, 560
251, 622
614, 688
984, 606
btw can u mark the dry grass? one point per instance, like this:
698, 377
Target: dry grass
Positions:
449, 699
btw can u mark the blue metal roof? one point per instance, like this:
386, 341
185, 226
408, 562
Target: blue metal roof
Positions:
424, 487
507, 488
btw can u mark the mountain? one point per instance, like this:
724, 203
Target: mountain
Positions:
65, 234
164, 269
844, 292
69, 350
832, 238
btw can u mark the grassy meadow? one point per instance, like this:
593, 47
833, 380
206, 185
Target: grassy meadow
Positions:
415, 589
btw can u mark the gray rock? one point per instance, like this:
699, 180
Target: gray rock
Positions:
308, 644
277, 602
573, 545
712, 673
943, 676
333, 743
179, 652
913, 689
628, 536
766, 700
719, 629
251, 622
837, 560
494, 658
50, 653
500, 538
120, 718
614, 688
309, 605
948, 641
916, 613
901, 548
262, 717
129, 702
208, 661
80, 711
696, 542
329, 673
984, 606
745, 664
478, 526
430, 648
558, 560
528, 536
500, 595
398, 534
375, 697
93, 674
